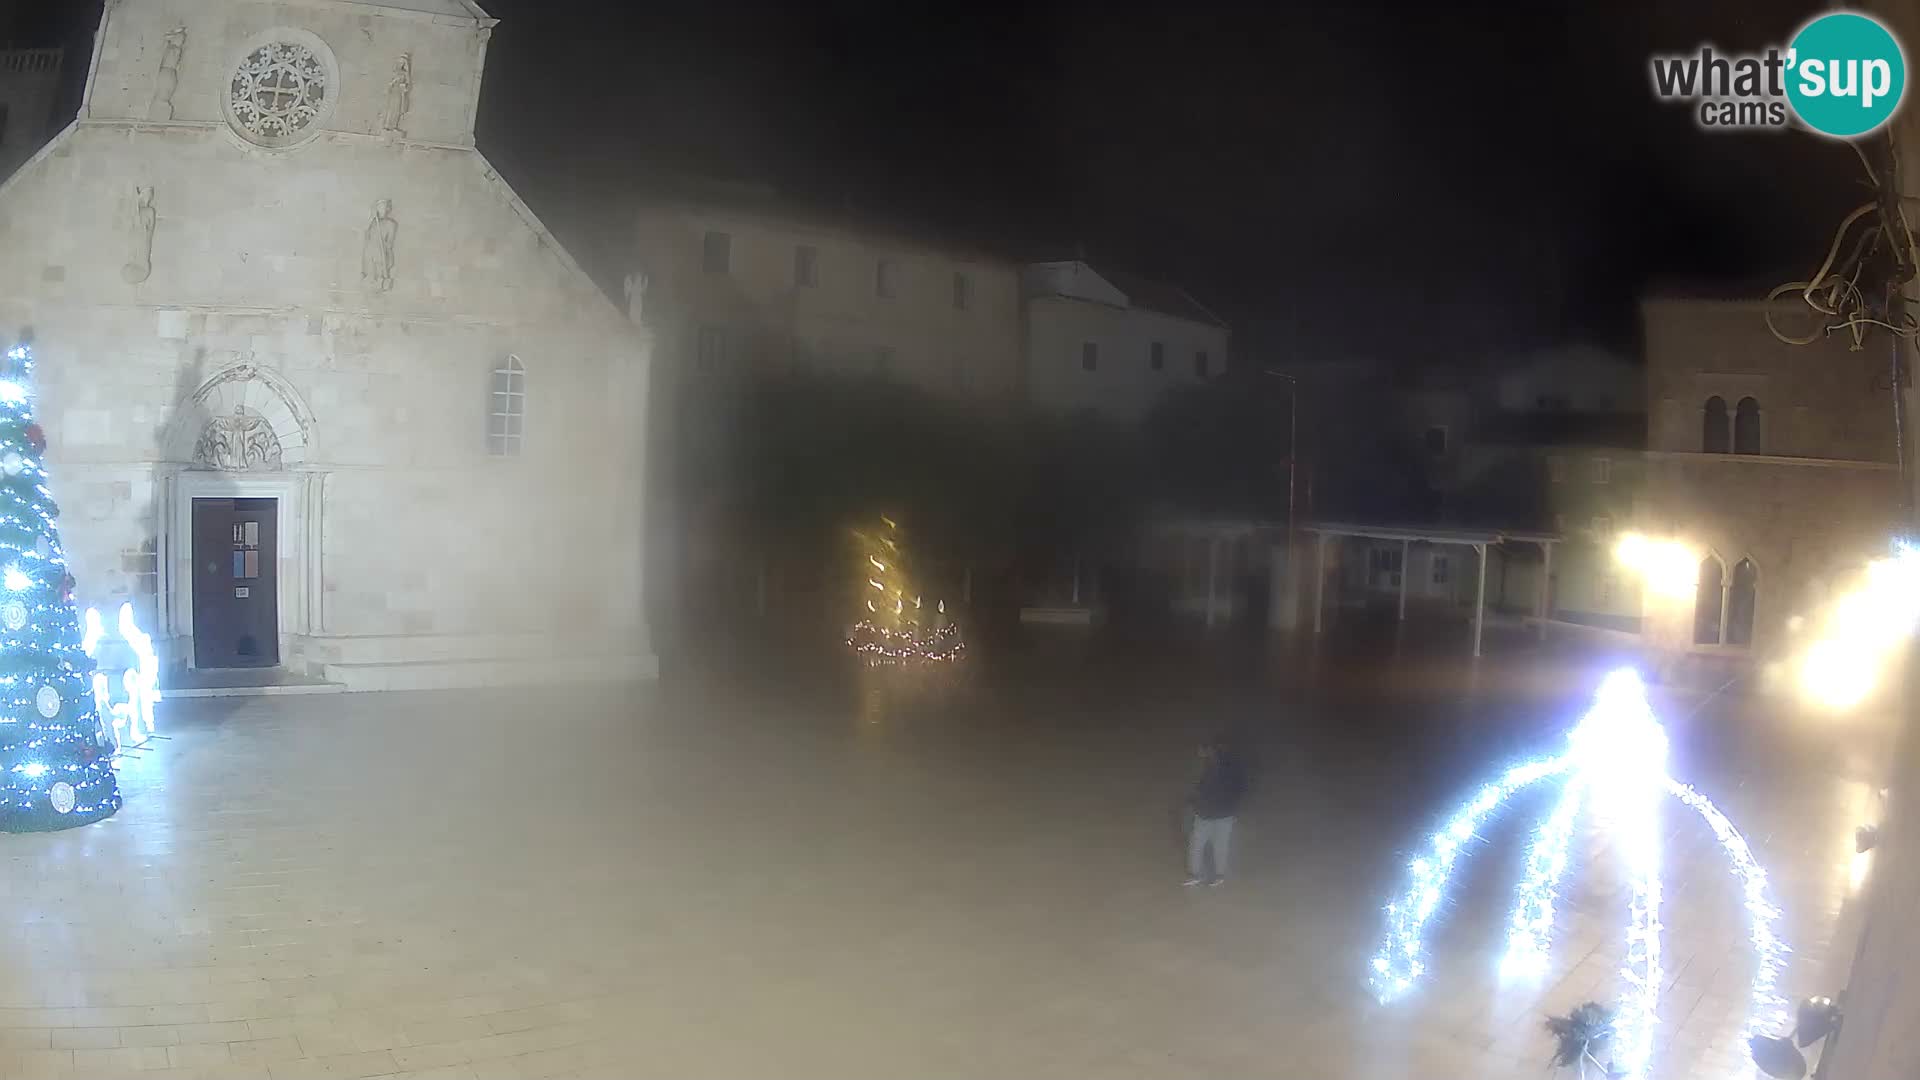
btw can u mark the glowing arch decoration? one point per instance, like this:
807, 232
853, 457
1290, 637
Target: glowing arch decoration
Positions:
1615, 765
130, 649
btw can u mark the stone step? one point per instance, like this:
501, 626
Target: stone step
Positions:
424, 648
457, 674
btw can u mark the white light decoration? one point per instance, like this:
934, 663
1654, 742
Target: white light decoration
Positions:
13, 615
90, 636
16, 580
12, 393
33, 770
62, 796
1616, 765
132, 717
47, 701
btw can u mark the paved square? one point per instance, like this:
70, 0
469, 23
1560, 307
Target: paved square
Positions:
696, 882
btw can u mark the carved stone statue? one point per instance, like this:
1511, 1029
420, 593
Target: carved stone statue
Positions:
635, 287
399, 96
168, 80
376, 254
140, 238
238, 443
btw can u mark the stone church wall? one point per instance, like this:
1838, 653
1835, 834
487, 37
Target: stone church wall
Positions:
147, 258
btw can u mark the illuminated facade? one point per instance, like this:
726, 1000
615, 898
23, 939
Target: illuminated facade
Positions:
320, 392
1773, 463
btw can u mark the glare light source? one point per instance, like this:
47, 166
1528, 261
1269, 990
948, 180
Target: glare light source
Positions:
1667, 568
15, 580
1861, 634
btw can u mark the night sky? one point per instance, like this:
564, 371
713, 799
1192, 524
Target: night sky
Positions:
1355, 179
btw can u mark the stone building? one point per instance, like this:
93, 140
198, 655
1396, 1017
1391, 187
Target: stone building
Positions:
320, 392
741, 287
732, 279
1112, 343
1775, 462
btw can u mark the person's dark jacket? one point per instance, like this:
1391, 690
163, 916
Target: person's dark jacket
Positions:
1220, 788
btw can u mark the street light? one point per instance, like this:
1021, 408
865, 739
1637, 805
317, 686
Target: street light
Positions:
1293, 471
1293, 445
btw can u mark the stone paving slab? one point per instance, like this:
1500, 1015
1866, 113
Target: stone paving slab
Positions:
710, 884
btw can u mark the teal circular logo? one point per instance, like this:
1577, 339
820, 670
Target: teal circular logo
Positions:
1846, 74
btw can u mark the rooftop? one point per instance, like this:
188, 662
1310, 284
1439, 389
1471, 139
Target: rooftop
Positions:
772, 206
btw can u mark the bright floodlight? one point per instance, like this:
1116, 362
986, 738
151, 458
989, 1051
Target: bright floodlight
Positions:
1666, 568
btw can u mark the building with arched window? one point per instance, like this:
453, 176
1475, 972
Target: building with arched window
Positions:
1774, 462
321, 393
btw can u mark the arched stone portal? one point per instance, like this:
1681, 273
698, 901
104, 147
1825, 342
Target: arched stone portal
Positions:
245, 418
243, 434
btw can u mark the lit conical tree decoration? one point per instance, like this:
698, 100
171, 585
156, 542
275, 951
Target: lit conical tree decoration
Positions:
894, 624
54, 772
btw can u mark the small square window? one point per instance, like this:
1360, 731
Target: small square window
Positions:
716, 254
1602, 527
1157, 356
1602, 470
1436, 440
1202, 367
1089, 356
962, 292
1557, 469
883, 279
806, 266
1442, 570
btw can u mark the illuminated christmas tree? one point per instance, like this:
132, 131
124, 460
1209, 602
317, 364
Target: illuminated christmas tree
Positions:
54, 773
896, 625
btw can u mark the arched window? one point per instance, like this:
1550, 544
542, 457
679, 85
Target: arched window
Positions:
1714, 434
1741, 595
1708, 597
506, 424
1746, 427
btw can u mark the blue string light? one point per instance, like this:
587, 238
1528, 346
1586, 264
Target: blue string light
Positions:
54, 770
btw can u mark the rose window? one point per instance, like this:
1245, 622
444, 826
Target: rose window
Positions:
278, 93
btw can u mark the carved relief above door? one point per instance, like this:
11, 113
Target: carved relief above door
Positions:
238, 443
246, 418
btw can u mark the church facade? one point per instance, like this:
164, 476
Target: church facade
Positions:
320, 393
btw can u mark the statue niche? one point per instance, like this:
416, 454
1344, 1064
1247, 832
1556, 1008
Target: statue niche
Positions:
243, 442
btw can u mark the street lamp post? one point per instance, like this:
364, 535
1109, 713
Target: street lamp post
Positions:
1293, 456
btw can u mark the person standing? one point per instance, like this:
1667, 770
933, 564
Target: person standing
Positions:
1213, 805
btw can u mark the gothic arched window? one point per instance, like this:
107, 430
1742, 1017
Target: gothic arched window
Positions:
1715, 436
1742, 593
1746, 427
1709, 596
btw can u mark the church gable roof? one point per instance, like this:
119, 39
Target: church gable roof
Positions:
459, 9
